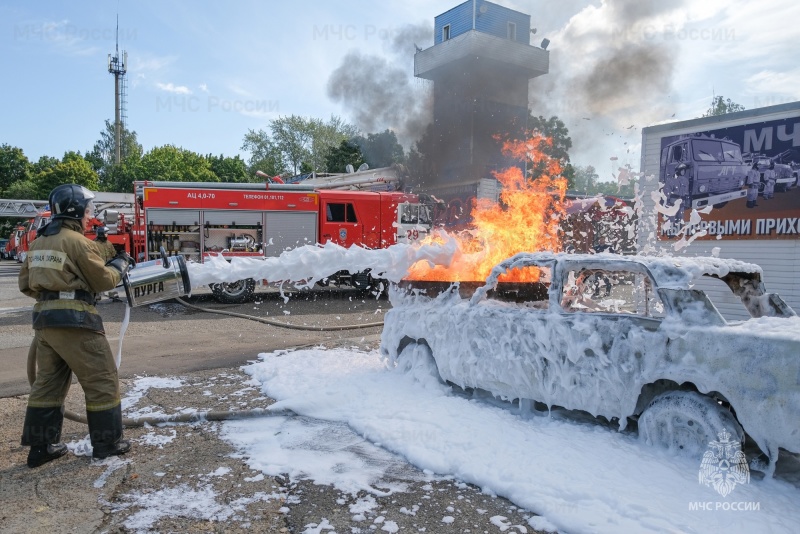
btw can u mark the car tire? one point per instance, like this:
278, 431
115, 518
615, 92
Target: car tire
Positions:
416, 359
685, 422
235, 292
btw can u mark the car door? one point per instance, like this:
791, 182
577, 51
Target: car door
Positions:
613, 334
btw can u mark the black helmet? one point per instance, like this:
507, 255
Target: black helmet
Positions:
70, 201
101, 231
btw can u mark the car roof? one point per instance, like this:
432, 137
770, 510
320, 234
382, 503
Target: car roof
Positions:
667, 271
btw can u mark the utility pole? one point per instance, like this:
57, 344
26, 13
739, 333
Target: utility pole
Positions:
117, 65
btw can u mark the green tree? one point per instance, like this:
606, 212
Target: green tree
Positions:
381, 149
120, 178
114, 177
14, 167
587, 182
73, 169
171, 163
23, 190
265, 156
554, 129
586, 179
721, 106
228, 169
292, 136
346, 153
421, 161
44, 163
305, 143
326, 136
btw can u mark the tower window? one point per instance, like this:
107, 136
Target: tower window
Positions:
446, 33
512, 31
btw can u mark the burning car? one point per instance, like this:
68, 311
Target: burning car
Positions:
627, 338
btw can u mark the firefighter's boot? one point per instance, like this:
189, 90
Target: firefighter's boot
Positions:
105, 433
751, 204
42, 433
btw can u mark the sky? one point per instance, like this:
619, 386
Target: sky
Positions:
201, 74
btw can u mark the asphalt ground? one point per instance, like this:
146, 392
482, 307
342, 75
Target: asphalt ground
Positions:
169, 338
75, 494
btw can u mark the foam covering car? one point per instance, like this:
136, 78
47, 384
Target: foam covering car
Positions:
626, 338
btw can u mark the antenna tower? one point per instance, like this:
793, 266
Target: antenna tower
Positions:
118, 66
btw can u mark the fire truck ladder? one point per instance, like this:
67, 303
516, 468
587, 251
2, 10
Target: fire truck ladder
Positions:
24, 209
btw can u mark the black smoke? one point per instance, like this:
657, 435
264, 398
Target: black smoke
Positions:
381, 93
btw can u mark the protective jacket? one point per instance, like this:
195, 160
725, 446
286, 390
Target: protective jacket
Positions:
106, 247
63, 271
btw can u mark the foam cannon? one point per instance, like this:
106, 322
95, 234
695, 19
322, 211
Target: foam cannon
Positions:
157, 280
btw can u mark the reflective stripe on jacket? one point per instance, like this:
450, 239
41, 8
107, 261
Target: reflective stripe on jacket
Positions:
65, 262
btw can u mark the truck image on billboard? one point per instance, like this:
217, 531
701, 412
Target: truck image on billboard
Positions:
742, 179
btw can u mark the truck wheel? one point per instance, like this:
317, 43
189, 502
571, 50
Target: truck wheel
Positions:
685, 422
362, 280
235, 292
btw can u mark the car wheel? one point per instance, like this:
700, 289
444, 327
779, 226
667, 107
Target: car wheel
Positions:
235, 292
685, 422
416, 360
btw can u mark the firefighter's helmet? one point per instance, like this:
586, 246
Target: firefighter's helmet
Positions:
101, 231
70, 201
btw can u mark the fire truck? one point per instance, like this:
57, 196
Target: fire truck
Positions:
29, 234
114, 210
200, 220
14, 241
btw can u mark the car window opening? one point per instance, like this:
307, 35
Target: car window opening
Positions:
602, 291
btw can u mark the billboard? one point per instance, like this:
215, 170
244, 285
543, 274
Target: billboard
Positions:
738, 182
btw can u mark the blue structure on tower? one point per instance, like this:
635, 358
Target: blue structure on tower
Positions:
480, 65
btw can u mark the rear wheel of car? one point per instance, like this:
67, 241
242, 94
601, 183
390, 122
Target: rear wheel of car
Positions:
685, 422
416, 360
235, 292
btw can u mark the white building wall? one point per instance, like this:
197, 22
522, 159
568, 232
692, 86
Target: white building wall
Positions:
779, 258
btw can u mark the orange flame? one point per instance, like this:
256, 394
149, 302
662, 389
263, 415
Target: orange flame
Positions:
525, 220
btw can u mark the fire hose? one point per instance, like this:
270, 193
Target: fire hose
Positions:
152, 271
280, 323
211, 415
128, 422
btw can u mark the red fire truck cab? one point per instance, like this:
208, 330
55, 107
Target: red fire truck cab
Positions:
198, 220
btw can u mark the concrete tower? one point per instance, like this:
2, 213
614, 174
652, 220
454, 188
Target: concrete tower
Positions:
480, 65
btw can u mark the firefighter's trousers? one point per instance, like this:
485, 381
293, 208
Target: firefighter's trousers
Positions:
62, 351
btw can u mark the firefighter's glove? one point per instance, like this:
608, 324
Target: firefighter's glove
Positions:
121, 262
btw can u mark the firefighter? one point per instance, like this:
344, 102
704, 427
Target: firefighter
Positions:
753, 181
107, 250
63, 272
769, 179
